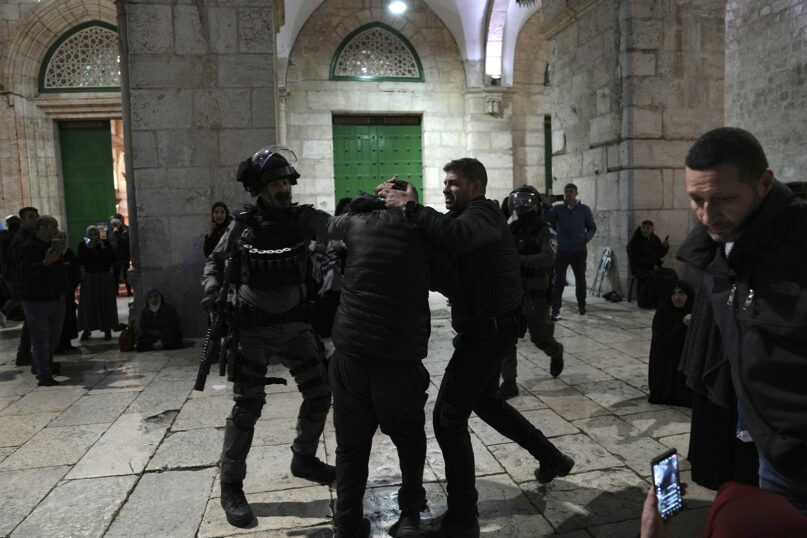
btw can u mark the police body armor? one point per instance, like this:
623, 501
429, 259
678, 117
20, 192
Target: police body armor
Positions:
273, 252
525, 232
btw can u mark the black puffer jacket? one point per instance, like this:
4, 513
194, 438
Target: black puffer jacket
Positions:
384, 309
759, 297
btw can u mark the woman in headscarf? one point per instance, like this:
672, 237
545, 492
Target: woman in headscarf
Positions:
219, 220
97, 308
667, 384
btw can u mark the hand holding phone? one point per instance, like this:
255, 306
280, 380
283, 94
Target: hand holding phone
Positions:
667, 484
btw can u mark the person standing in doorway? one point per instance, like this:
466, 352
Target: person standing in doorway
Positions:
574, 224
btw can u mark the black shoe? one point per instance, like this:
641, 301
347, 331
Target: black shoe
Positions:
441, 526
582, 311
311, 468
362, 532
107, 335
556, 316
235, 505
407, 525
85, 335
561, 465
508, 389
48, 382
556, 361
24, 360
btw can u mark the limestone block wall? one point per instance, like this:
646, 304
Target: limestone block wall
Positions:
311, 99
766, 79
633, 84
201, 93
30, 169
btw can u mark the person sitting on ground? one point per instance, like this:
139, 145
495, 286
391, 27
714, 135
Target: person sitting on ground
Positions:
667, 384
219, 220
645, 253
97, 308
159, 322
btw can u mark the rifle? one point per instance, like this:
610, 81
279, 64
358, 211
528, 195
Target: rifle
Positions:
215, 332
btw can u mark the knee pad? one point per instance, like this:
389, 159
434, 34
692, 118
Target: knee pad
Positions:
246, 413
316, 407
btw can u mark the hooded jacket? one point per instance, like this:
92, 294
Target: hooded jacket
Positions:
390, 266
164, 321
759, 297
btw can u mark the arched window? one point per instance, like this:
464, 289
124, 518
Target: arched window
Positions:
376, 52
85, 58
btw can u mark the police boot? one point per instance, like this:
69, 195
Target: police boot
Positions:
508, 389
556, 361
311, 468
407, 525
235, 504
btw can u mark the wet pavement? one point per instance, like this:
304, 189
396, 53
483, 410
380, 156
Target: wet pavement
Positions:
125, 447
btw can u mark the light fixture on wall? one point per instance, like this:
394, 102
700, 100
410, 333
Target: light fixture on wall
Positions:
397, 7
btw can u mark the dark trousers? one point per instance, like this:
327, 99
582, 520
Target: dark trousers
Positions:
470, 383
45, 319
542, 332
368, 393
578, 262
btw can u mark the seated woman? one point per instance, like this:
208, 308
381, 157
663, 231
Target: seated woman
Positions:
667, 384
158, 322
645, 251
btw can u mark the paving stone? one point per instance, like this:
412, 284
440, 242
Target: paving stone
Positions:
16, 382
605, 358
55, 446
78, 508
177, 373
125, 448
586, 500
616, 395
124, 382
16, 430
21, 491
159, 397
504, 509
381, 505
40, 401
576, 372
545, 420
634, 348
6, 401
273, 431
569, 403
192, 448
587, 455
659, 423
484, 462
203, 413
274, 510
268, 469
609, 335
137, 366
384, 465
580, 343
5, 451
181, 496
95, 408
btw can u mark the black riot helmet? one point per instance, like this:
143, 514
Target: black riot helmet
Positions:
268, 164
524, 199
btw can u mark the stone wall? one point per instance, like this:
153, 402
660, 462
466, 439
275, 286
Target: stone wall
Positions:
201, 88
766, 79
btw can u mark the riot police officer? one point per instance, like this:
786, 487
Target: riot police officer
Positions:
267, 243
534, 241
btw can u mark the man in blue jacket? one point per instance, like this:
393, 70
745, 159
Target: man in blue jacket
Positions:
575, 227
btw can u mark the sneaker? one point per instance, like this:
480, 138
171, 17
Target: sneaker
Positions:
556, 361
407, 525
508, 389
442, 526
47, 382
235, 505
311, 468
556, 317
362, 532
561, 465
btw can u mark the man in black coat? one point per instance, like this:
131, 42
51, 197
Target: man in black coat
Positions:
381, 335
486, 314
750, 245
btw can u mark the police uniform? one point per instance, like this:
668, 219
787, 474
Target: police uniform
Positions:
269, 246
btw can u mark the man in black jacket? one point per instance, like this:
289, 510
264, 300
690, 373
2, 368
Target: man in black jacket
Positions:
750, 245
381, 334
41, 286
485, 313
28, 219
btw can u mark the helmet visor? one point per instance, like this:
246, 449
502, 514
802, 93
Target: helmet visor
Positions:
270, 171
522, 201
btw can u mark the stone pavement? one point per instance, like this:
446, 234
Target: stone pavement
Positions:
125, 447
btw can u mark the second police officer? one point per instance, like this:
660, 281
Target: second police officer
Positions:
536, 250
268, 242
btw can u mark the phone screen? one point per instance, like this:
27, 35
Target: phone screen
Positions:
668, 487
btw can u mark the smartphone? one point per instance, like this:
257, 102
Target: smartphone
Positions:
667, 484
667, 238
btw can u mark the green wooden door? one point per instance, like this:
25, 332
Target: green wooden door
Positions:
89, 189
369, 150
